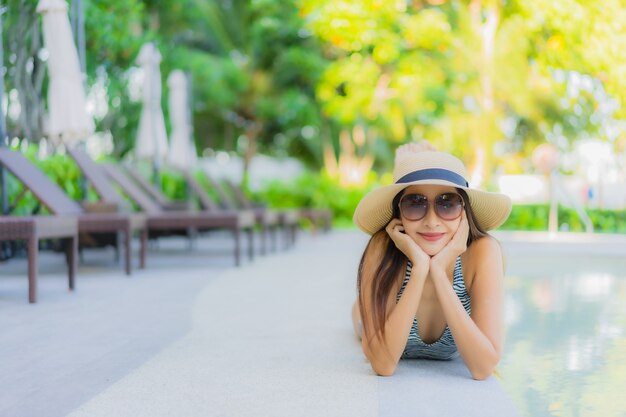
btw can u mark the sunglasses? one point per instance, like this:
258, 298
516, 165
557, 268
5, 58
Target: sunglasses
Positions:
448, 206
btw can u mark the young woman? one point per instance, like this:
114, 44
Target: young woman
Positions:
430, 281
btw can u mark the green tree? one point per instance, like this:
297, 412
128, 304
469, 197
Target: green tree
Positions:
254, 70
25, 68
468, 75
114, 31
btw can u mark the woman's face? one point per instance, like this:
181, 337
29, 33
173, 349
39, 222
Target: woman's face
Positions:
431, 232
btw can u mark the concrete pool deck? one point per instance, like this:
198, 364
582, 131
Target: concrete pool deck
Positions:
193, 336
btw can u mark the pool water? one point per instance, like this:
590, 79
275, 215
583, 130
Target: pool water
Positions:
565, 346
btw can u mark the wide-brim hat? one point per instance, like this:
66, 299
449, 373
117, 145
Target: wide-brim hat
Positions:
375, 209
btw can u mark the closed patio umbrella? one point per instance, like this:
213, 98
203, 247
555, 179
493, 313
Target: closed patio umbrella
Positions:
182, 154
68, 121
151, 138
4, 205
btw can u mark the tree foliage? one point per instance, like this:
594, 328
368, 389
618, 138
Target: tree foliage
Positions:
479, 78
487, 80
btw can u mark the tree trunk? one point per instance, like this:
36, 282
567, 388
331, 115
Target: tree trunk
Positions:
482, 139
28, 71
252, 133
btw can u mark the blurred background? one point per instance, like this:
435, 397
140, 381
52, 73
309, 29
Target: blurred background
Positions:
304, 103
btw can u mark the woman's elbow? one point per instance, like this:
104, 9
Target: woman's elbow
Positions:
481, 375
484, 370
387, 369
382, 366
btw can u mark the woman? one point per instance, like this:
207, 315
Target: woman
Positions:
430, 280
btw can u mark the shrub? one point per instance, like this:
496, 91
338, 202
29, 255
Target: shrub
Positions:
535, 217
316, 191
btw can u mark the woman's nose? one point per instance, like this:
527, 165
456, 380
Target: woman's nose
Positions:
431, 218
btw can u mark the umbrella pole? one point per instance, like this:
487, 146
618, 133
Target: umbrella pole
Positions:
156, 163
189, 114
78, 27
3, 135
156, 174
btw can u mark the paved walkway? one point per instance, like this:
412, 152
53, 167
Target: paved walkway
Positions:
193, 336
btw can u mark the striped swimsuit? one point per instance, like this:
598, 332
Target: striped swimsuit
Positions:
444, 348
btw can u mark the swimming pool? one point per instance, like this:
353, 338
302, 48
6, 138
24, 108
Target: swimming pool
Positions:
565, 347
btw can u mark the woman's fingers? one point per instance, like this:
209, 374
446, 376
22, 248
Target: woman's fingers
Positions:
393, 225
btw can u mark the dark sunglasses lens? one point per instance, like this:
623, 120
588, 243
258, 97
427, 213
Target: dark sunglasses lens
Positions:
449, 206
413, 206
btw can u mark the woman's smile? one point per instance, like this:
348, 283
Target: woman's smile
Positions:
432, 237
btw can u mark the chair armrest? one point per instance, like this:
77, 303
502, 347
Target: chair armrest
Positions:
99, 207
176, 205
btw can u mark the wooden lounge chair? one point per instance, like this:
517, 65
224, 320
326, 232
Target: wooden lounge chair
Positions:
268, 220
168, 221
288, 220
34, 228
319, 218
160, 220
268, 223
154, 193
51, 196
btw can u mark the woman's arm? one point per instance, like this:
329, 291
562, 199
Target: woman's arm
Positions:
479, 337
384, 353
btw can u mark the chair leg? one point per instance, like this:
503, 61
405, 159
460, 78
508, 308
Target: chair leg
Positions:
236, 233
287, 236
274, 236
127, 246
294, 234
72, 250
264, 230
117, 248
33, 252
143, 243
250, 233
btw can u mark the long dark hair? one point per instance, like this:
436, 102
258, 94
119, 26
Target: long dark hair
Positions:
393, 264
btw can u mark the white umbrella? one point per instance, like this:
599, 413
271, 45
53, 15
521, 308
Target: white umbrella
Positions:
182, 153
151, 137
68, 120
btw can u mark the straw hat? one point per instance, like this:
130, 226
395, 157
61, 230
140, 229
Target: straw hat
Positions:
374, 210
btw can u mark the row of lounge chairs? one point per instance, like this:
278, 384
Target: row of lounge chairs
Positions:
76, 224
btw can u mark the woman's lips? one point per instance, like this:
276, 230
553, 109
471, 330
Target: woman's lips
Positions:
431, 237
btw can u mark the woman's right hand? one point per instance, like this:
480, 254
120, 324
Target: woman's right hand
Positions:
406, 244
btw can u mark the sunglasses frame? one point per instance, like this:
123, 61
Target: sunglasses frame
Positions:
429, 204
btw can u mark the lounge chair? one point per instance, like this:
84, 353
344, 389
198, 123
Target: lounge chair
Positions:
34, 228
160, 220
288, 220
51, 196
268, 220
319, 218
154, 192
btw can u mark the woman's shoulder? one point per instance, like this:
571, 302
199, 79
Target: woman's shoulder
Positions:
485, 246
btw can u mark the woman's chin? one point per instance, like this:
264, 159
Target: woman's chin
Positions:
431, 249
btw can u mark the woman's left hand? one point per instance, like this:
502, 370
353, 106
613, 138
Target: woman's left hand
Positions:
456, 246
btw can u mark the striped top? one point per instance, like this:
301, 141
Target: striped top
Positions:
444, 348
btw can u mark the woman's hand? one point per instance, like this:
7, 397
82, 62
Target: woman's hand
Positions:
456, 246
406, 244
